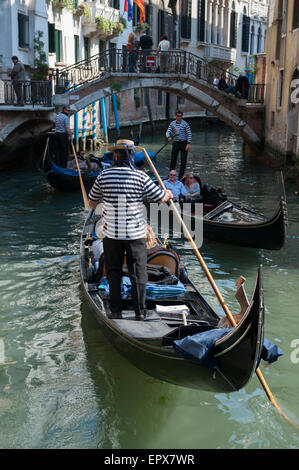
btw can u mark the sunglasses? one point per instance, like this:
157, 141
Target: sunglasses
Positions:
172, 174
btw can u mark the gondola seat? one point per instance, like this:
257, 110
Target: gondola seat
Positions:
156, 256
165, 257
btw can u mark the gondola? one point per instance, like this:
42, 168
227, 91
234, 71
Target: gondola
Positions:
155, 344
228, 222
67, 180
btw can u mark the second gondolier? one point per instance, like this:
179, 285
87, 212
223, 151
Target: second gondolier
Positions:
179, 133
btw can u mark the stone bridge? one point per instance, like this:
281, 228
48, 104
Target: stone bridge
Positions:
189, 76
246, 118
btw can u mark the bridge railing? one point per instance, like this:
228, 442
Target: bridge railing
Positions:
176, 61
25, 92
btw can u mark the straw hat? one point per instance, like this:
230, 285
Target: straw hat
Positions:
120, 145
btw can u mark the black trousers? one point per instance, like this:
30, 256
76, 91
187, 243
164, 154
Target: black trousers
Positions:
135, 251
19, 91
179, 147
61, 149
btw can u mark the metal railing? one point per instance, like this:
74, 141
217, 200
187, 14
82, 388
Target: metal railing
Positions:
25, 92
172, 62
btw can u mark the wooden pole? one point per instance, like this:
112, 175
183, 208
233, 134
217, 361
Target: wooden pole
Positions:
85, 198
215, 288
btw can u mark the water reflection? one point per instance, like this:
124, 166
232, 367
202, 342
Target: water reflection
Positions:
61, 383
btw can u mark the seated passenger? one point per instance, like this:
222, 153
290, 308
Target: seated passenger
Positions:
151, 239
192, 186
177, 188
84, 163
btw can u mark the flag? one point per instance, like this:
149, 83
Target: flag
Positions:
140, 4
129, 8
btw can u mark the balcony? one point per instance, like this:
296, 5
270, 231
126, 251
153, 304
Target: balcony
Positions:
259, 9
103, 22
225, 55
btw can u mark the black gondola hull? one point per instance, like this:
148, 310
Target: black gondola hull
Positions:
270, 234
156, 356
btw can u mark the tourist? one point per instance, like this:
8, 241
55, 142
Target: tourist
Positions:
63, 134
84, 162
162, 49
18, 76
180, 133
216, 80
222, 85
146, 44
132, 47
192, 186
122, 189
177, 187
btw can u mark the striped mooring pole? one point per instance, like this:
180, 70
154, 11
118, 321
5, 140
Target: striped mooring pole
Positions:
94, 124
115, 113
84, 124
103, 109
76, 129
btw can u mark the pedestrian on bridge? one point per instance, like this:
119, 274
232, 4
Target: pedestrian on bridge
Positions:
179, 133
63, 134
146, 44
162, 49
132, 47
18, 77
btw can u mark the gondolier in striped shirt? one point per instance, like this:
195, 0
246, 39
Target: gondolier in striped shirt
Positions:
122, 188
179, 133
63, 134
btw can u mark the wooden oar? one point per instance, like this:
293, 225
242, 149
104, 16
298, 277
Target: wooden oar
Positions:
215, 288
46, 148
85, 198
143, 166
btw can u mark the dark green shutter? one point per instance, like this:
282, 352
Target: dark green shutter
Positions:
57, 45
51, 37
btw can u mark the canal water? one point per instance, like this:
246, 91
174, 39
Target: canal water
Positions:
61, 383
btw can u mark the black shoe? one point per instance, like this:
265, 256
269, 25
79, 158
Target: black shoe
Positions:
115, 315
140, 317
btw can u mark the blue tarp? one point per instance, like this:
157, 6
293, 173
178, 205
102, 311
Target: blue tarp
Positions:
58, 170
152, 289
197, 348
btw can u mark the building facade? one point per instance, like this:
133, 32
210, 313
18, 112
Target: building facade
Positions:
226, 32
282, 80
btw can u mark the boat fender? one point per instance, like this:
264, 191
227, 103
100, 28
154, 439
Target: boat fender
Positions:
183, 275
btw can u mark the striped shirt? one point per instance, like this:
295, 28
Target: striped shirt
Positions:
179, 132
122, 190
62, 121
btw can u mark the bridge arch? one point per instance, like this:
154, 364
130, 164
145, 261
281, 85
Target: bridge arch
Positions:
247, 120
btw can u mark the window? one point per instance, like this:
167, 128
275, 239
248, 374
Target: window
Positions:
284, 17
114, 4
252, 40
23, 25
296, 14
86, 48
186, 19
160, 97
201, 20
280, 88
76, 48
161, 24
259, 40
58, 36
51, 37
136, 15
233, 27
245, 31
